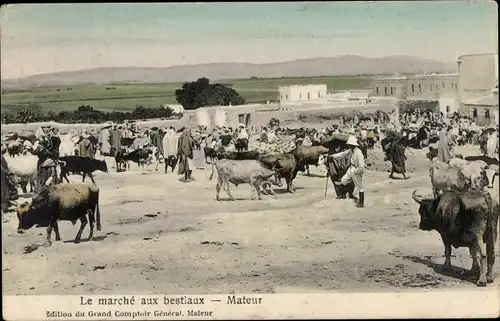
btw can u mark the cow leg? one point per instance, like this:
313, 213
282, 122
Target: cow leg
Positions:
48, 242
289, 185
91, 222
482, 260
307, 170
228, 192
447, 254
84, 221
66, 177
475, 263
251, 191
91, 177
56, 230
258, 190
491, 237
83, 179
217, 188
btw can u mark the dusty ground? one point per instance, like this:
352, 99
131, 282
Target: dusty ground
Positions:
161, 235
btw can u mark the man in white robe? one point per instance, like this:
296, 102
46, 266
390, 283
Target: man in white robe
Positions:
170, 141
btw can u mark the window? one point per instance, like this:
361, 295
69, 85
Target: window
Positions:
385, 90
419, 88
430, 87
319, 95
474, 113
286, 96
392, 90
300, 95
447, 109
487, 114
443, 85
376, 90
412, 88
308, 95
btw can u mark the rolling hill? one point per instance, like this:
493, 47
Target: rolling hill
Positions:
341, 65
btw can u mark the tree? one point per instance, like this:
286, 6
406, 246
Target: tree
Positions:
201, 93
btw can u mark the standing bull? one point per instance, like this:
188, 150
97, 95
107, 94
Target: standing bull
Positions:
240, 172
287, 165
310, 154
62, 202
81, 165
464, 220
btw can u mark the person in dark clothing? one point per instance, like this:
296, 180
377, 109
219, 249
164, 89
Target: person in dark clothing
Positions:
48, 155
396, 155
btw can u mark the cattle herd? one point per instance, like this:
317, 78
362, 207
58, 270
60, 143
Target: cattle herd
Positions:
462, 210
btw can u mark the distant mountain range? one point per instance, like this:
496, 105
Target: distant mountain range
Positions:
335, 66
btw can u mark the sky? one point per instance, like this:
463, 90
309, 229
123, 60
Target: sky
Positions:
45, 38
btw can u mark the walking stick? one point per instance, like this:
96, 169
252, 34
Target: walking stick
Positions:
326, 183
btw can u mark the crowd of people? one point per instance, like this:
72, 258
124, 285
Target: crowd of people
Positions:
187, 147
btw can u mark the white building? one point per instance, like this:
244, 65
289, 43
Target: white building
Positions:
439, 87
478, 87
297, 93
178, 109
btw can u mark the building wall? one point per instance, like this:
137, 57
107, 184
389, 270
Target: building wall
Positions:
478, 74
479, 114
302, 93
430, 85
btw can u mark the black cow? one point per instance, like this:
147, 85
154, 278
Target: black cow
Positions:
464, 220
241, 144
247, 155
171, 161
209, 154
139, 156
286, 165
81, 165
61, 202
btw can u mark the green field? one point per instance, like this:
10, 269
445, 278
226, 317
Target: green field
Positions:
125, 97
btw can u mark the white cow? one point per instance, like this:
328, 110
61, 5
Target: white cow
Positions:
24, 169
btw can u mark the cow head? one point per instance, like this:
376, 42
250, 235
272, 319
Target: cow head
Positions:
102, 166
276, 178
491, 171
322, 159
23, 217
427, 211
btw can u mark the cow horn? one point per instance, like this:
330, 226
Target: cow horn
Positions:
63, 163
415, 197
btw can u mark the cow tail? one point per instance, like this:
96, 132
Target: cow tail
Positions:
98, 213
212, 174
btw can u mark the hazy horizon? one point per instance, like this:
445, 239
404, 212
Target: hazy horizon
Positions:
48, 38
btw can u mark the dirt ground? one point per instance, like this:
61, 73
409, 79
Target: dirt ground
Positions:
161, 235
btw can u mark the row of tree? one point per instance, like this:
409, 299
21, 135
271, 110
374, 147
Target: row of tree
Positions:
83, 114
192, 95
